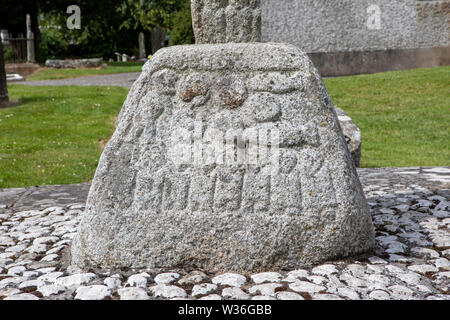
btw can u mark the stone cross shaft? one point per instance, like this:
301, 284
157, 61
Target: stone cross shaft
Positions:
223, 21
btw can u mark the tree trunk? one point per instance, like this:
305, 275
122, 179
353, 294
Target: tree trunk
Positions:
36, 31
3, 87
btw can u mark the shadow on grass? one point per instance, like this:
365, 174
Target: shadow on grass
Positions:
32, 99
8, 104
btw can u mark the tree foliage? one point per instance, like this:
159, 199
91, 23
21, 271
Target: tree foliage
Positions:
146, 14
181, 26
107, 26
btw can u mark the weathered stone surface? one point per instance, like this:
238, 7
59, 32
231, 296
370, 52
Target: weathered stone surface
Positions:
352, 135
75, 63
220, 21
147, 210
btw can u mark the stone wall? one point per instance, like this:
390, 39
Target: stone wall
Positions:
355, 25
345, 37
433, 23
75, 63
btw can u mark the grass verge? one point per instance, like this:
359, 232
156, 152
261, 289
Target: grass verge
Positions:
54, 135
404, 116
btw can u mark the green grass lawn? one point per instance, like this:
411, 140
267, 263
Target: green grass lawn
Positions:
404, 116
54, 135
113, 67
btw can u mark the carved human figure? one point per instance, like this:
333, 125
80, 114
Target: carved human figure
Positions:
222, 21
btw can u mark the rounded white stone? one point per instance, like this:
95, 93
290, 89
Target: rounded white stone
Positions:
193, 277
29, 274
423, 268
263, 298
8, 292
442, 263
325, 296
317, 279
45, 240
203, 289
48, 290
6, 241
16, 270
31, 283
303, 286
166, 278
293, 276
50, 257
235, 293
286, 295
211, 297
94, 292
11, 281
75, 279
356, 270
411, 278
401, 292
133, 293
266, 277
348, 293
379, 295
265, 289
168, 291
22, 296
325, 270
51, 276
138, 280
112, 283
229, 279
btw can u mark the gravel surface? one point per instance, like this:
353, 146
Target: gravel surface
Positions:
411, 214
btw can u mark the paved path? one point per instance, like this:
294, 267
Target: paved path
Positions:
410, 208
117, 79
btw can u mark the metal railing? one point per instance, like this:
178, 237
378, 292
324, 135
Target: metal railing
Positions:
15, 50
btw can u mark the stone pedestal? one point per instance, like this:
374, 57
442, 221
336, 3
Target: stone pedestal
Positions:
178, 184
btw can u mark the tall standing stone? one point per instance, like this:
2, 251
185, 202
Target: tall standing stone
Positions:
226, 157
141, 40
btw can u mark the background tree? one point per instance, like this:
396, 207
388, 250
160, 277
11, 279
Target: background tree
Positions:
3, 87
181, 31
107, 26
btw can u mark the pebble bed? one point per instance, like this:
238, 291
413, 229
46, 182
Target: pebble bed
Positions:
411, 260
